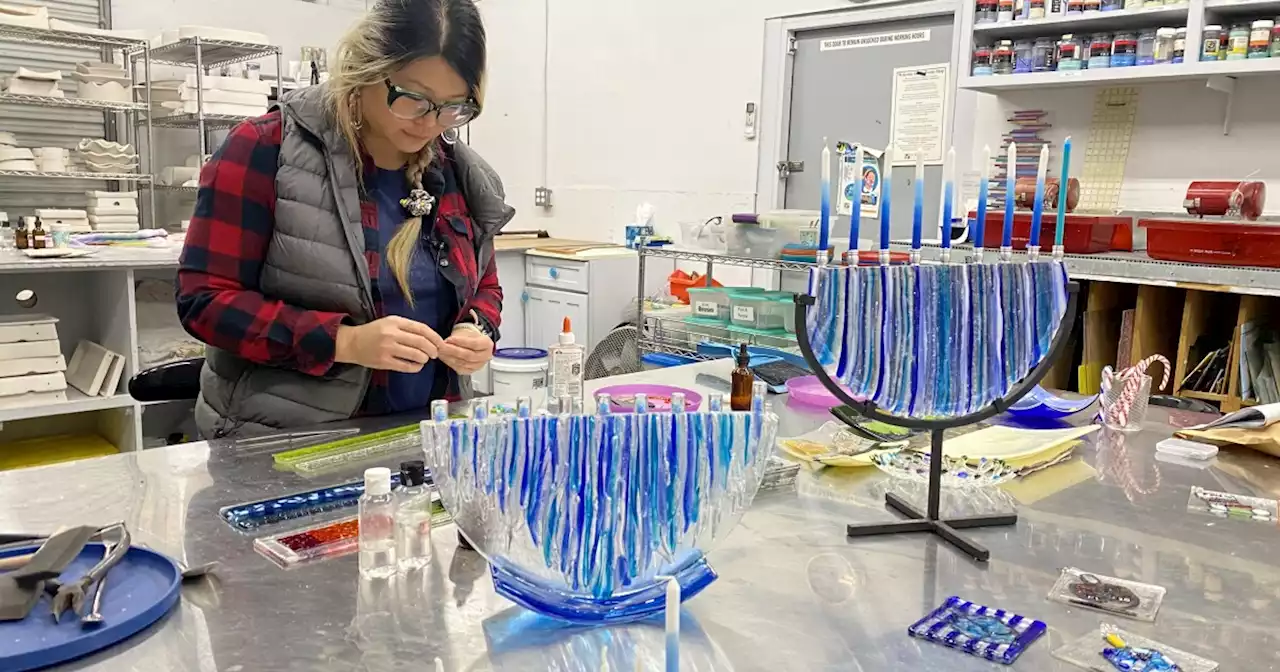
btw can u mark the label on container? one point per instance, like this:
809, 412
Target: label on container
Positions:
744, 313
1238, 45
706, 309
566, 372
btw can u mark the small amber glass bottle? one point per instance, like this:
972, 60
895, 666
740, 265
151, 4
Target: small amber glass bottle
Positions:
740, 387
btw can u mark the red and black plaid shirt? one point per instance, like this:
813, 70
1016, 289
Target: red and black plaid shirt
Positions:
218, 295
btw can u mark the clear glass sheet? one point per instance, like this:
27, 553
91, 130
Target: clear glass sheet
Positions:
1120, 597
1086, 652
580, 515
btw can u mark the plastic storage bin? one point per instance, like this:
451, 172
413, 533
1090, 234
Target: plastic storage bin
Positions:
709, 303
788, 305
755, 241
756, 311
1223, 243
1082, 234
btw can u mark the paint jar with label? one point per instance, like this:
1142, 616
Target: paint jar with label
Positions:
1044, 55
981, 61
1275, 40
1069, 48
1112, 5
1002, 58
1146, 47
1075, 6
1022, 60
1180, 45
1153, 3
1260, 38
1210, 45
1238, 43
1035, 9
1004, 11
1124, 50
986, 12
1163, 51
1092, 6
1100, 51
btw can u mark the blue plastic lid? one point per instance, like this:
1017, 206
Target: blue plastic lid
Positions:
520, 353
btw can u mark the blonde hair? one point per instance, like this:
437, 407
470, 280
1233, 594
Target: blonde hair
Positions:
365, 57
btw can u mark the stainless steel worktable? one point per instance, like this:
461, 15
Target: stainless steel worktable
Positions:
793, 593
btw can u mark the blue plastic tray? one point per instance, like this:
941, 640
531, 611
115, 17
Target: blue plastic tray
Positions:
1040, 404
140, 591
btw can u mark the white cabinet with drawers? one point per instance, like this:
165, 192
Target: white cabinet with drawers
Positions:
597, 293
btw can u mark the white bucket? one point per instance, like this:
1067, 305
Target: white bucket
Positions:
520, 372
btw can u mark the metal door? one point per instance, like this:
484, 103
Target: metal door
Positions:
846, 94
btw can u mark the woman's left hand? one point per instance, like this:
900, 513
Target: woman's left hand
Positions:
466, 350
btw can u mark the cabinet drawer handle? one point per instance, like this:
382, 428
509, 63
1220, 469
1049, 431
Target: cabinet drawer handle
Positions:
553, 272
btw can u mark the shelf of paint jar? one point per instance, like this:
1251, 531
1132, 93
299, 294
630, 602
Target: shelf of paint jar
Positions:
1055, 25
1148, 74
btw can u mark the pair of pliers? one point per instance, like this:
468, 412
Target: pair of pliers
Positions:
72, 595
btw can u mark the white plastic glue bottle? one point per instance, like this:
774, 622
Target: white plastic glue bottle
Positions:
566, 361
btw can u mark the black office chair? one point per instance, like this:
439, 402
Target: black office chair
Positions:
172, 381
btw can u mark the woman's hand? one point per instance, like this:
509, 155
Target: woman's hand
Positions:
466, 350
391, 343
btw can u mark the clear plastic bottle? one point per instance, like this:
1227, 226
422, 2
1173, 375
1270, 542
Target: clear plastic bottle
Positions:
377, 526
567, 357
6, 233
413, 517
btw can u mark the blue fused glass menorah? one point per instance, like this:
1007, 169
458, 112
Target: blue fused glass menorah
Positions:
939, 345
585, 516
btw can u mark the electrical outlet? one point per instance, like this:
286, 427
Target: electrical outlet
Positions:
542, 197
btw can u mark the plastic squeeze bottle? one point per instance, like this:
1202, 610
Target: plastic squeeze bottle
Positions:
377, 526
566, 360
413, 517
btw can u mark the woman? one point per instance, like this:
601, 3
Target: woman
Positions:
340, 258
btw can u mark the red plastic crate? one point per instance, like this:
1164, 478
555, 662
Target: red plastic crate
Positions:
1202, 242
1081, 234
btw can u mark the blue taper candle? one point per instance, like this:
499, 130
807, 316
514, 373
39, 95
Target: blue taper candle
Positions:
824, 226
672, 613
984, 187
1037, 208
886, 179
948, 196
917, 205
1010, 193
855, 213
1063, 181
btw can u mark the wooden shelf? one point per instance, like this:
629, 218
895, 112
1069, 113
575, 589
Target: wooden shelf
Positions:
1203, 396
77, 402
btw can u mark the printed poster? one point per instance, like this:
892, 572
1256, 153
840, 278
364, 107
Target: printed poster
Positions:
918, 122
864, 183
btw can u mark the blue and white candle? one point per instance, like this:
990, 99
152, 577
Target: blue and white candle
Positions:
1010, 193
917, 210
673, 625
886, 197
1064, 180
1037, 208
824, 226
948, 200
984, 189
855, 213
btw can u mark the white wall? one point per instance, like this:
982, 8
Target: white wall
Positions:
1177, 136
646, 103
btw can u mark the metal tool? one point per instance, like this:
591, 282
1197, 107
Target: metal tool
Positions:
293, 439
71, 595
94, 617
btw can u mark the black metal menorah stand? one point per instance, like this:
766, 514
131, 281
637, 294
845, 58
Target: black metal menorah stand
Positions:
930, 519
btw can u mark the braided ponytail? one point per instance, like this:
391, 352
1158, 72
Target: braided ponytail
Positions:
404, 244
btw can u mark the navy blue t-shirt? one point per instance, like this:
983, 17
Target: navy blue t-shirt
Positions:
431, 293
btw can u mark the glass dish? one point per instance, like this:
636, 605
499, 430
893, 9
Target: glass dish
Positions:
957, 472
1132, 599
995, 634
1086, 652
585, 517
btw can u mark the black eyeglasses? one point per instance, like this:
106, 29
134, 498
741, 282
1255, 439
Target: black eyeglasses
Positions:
409, 105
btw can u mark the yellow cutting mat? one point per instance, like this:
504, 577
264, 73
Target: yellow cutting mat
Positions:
1011, 443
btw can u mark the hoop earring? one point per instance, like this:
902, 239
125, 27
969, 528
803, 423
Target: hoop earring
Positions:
357, 112
450, 135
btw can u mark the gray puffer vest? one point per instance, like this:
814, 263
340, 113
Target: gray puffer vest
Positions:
316, 261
